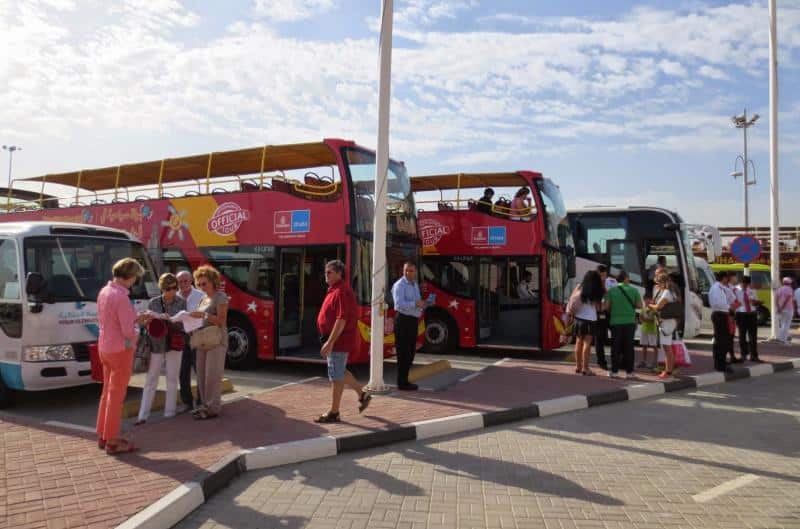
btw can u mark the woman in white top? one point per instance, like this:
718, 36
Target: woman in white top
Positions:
582, 308
663, 294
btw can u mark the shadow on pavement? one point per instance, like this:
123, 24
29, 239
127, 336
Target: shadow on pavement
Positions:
774, 424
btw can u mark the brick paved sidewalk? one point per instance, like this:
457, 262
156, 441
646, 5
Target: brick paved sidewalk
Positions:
57, 478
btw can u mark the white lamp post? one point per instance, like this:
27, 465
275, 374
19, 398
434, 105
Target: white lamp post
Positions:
741, 122
11, 149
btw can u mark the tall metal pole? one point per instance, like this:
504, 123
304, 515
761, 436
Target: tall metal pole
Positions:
774, 251
376, 384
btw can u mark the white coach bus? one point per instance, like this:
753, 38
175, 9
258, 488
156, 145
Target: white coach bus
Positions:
634, 238
50, 275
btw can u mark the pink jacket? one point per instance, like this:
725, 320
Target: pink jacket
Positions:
116, 319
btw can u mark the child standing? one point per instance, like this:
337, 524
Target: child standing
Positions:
648, 334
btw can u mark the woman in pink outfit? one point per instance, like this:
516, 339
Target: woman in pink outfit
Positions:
117, 320
521, 204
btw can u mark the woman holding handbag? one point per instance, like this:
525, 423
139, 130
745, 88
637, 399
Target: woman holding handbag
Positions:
166, 342
210, 341
582, 308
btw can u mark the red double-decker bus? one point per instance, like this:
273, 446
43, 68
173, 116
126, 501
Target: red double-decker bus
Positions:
267, 218
499, 274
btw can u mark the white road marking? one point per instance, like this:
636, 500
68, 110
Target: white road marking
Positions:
724, 488
71, 426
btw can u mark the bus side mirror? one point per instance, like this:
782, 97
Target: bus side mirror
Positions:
35, 284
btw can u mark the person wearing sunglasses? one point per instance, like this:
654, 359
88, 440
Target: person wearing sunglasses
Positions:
166, 339
213, 309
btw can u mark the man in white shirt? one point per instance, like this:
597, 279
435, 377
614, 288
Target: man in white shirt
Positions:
192, 296
797, 300
526, 289
747, 320
720, 312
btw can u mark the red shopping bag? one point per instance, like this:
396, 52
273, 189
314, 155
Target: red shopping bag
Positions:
682, 358
97, 365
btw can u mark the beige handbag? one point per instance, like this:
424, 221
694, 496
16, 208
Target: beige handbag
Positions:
206, 338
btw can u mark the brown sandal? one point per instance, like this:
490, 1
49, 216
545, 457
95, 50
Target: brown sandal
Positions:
122, 447
328, 417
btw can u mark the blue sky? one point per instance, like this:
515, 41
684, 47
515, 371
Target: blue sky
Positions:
620, 102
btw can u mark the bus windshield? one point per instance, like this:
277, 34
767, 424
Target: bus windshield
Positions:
76, 268
399, 203
558, 231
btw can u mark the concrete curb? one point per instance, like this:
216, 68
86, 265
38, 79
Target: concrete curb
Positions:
179, 503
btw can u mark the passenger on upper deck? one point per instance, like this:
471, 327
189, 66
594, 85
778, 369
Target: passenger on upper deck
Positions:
520, 206
484, 204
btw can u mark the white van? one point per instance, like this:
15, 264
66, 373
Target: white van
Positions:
50, 275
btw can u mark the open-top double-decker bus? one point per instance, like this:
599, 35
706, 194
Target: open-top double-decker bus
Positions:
267, 218
474, 260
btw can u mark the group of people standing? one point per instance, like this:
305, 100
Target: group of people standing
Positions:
601, 302
733, 306
204, 350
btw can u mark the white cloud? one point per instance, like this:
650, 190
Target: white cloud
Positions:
673, 68
415, 13
292, 10
713, 73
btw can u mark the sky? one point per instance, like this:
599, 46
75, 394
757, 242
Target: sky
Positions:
619, 102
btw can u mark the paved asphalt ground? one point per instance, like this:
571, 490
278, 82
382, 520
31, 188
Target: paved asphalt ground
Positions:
79, 405
721, 457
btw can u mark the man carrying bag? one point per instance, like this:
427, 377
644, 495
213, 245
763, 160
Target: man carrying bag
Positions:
623, 300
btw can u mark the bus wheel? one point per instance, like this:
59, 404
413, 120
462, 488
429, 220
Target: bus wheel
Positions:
440, 334
6, 394
762, 314
242, 344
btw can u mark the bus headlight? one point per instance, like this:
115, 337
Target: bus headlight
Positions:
48, 353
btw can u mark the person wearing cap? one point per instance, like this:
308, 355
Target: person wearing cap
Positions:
167, 341
785, 302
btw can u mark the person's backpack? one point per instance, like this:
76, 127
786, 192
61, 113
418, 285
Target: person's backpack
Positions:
574, 303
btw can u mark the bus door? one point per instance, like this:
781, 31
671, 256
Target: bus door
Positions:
290, 298
301, 290
625, 255
487, 297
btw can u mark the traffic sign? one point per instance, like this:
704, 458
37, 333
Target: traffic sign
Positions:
745, 249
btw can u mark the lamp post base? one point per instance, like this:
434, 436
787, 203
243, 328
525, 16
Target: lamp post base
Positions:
377, 389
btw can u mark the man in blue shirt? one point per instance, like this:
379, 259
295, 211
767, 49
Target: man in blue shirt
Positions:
408, 304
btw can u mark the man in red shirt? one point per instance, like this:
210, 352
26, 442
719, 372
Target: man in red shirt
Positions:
337, 324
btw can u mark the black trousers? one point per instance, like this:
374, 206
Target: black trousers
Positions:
185, 377
600, 337
747, 322
622, 352
723, 341
405, 339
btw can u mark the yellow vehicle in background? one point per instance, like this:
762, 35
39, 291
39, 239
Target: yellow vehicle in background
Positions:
759, 281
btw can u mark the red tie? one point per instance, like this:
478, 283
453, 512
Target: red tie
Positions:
746, 301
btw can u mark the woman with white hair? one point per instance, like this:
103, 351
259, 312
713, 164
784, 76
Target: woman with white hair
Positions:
785, 302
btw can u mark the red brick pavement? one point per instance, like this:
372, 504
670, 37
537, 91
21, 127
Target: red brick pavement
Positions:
57, 478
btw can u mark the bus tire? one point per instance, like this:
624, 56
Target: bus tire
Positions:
441, 334
762, 315
6, 395
242, 343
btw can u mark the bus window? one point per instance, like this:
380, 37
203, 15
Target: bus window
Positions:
9, 270
759, 280
624, 255
250, 270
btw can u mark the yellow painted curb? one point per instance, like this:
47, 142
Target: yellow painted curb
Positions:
131, 408
418, 373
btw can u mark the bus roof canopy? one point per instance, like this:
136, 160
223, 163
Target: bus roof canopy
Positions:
466, 181
197, 167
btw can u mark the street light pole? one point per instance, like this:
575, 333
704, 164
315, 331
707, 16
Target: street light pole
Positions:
10, 149
741, 122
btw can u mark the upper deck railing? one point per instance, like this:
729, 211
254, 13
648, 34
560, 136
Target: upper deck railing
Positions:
455, 182
228, 171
